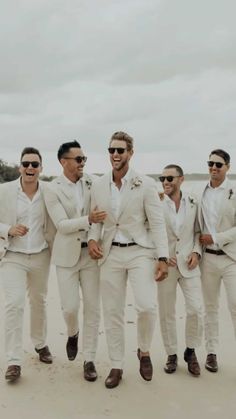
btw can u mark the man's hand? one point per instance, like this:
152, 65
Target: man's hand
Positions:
206, 239
95, 251
96, 216
172, 262
193, 260
19, 230
161, 271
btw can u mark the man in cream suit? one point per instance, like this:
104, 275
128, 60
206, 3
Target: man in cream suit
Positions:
132, 234
26, 236
68, 201
180, 211
217, 218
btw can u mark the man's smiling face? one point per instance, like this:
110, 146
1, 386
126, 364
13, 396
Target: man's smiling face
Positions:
29, 173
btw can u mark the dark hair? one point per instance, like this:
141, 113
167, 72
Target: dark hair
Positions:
221, 153
65, 148
31, 150
176, 167
123, 136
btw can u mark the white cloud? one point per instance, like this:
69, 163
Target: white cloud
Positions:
162, 70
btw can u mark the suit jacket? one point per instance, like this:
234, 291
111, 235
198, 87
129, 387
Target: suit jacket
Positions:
140, 218
187, 241
8, 207
71, 223
226, 225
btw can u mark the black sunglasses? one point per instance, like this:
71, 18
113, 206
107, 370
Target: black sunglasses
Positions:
78, 159
120, 150
34, 164
218, 164
168, 178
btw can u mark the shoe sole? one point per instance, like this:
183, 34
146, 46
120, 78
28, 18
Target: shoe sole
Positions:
169, 371
211, 369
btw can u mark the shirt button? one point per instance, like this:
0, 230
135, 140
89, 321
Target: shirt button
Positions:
117, 225
177, 253
78, 240
178, 240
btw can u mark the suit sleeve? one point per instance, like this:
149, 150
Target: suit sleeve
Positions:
154, 212
59, 217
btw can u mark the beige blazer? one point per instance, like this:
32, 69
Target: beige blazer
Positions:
140, 218
187, 241
8, 207
71, 223
226, 225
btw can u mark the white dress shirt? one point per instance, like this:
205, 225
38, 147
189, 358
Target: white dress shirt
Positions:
31, 214
177, 218
116, 197
211, 202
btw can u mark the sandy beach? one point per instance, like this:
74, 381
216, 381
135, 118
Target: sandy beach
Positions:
58, 391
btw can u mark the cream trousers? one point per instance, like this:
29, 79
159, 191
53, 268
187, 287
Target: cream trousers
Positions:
137, 265
20, 273
217, 269
84, 275
191, 288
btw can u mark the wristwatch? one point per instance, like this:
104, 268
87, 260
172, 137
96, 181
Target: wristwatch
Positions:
163, 260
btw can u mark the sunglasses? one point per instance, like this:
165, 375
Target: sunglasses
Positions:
168, 178
78, 159
218, 164
120, 150
34, 164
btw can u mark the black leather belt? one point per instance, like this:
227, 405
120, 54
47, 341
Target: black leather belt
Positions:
123, 244
215, 252
84, 244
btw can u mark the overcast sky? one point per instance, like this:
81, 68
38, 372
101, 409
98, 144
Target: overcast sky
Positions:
162, 70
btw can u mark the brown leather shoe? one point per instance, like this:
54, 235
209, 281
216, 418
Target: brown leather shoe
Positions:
171, 364
211, 363
114, 377
13, 373
145, 369
72, 347
44, 355
193, 365
90, 373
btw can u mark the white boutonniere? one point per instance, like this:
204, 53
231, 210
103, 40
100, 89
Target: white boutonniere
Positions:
88, 183
230, 193
192, 201
136, 182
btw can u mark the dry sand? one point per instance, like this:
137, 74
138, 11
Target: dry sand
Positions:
60, 392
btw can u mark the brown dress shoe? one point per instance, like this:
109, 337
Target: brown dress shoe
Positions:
13, 373
90, 373
44, 355
114, 377
72, 347
171, 364
211, 363
145, 369
193, 365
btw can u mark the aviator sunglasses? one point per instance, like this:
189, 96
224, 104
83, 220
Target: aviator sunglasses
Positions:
120, 150
168, 178
34, 164
218, 164
78, 159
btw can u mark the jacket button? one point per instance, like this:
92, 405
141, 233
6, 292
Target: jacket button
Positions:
78, 240
177, 252
178, 240
117, 225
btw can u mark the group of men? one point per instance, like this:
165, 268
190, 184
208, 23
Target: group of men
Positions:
102, 231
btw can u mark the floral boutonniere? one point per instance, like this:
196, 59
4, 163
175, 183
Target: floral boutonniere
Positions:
88, 183
192, 201
230, 193
135, 182
161, 195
